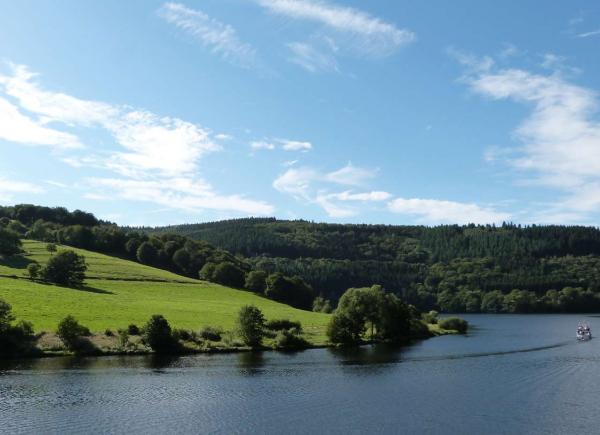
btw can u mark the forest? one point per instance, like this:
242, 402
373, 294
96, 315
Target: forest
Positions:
451, 268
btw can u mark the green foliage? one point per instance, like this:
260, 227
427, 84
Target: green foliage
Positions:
322, 305
146, 253
431, 317
33, 270
14, 339
290, 339
158, 335
211, 333
183, 260
256, 281
384, 314
10, 244
251, 323
454, 324
133, 329
123, 336
207, 272
70, 332
66, 268
228, 274
51, 248
283, 325
293, 291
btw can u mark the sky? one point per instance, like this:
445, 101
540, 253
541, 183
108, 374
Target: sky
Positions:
389, 111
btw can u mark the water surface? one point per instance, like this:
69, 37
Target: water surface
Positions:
511, 374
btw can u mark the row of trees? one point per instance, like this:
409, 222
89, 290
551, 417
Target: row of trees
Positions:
179, 254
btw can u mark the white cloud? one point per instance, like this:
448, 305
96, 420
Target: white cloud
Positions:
351, 175
223, 136
9, 187
285, 144
16, 127
311, 58
262, 145
370, 35
365, 196
158, 156
177, 193
220, 38
296, 182
588, 34
560, 137
294, 145
432, 211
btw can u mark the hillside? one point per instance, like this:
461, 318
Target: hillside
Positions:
451, 268
119, 292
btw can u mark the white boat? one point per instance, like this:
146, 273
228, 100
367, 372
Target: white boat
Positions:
584, 332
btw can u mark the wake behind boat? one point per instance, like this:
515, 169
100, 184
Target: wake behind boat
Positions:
584, 332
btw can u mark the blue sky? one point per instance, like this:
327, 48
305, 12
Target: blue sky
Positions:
399, 112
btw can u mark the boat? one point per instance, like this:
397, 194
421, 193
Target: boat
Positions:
584, 332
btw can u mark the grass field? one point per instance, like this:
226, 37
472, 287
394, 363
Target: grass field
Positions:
119, 292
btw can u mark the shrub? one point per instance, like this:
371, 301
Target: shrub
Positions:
65, 268
430, 317
70, 332
283, 325
133, 329
250, 325
109, 333
33, 270
455, 324
343, 330
321, 305
211, 333
290, 340
123, 337
51, 248
157, 334
182, 334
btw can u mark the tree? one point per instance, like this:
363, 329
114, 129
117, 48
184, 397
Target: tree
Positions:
131, 247
10, 244
33, 269
256, 281
251, 324
14, 339
158, 334
181, 259
293, 291
492, 302
207, 271
70, 332
66, 268
228, 274
146, 253
51, 248
321, 305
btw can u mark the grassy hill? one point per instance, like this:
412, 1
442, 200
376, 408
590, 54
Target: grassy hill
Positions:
119, 292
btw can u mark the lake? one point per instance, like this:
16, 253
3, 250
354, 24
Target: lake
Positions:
511, 374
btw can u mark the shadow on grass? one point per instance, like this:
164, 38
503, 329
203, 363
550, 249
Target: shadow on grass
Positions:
89, 289
15, 262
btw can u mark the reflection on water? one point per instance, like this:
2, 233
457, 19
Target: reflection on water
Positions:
511, 374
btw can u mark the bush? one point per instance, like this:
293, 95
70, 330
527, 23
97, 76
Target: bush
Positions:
66, 268
123, 337
430, 317
290, 340
250, 325
454, 324
321, 305
211, 333
109, 333
10, 244
33, 270
182, 334
207, 271
343, 330
157, 334
283, 325
133, 329
70, 332
14, 339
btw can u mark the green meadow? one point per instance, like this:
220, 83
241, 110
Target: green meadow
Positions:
119, 292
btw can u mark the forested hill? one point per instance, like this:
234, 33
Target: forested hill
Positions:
454, 268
